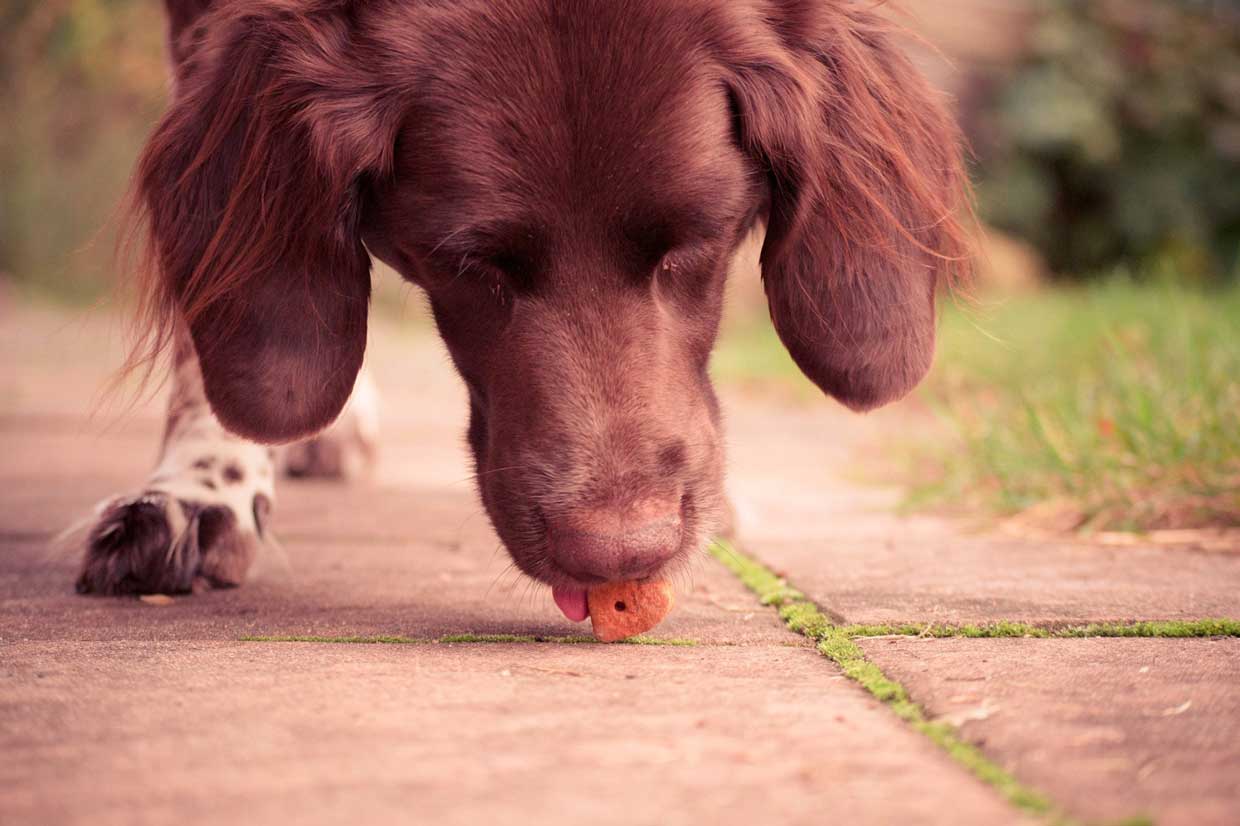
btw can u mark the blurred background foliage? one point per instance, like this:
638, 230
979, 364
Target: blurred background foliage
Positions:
1116, 137
1112, 135
81, 83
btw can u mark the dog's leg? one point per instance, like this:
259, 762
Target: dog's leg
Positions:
201, 518
348, 449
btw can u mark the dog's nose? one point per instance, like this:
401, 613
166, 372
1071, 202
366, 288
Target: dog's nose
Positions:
609, 544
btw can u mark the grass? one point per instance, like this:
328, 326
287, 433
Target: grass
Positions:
1111, 406
1117, 400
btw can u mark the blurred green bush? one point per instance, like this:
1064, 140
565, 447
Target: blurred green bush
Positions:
81, 83
1116, 137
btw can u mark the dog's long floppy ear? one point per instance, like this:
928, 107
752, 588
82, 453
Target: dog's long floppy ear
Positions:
250, 187
867, 191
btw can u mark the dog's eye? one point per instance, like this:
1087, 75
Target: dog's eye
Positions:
516, 272
672, 263
684, 260
648, 244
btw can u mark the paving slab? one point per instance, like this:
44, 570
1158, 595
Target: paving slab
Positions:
843, 544
1109, 728
409, 552
355, 560
133, 733
120, 711
904, 574
799, 509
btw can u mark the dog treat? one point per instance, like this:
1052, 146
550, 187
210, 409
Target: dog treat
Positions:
619, 610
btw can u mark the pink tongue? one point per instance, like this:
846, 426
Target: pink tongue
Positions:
572, 602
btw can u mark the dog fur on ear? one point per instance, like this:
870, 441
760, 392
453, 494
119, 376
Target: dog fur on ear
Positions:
868, 195
250, 187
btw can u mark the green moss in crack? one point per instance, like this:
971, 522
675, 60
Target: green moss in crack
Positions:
804, 618
837, 644
1169, 629
352, 639
1179, 629
1002, 628
770, 588
672, 641
467, 638
578, 639
486, 638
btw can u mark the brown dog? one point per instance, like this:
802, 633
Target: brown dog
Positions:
567, 180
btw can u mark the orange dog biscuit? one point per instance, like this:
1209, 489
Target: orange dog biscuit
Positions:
619, 610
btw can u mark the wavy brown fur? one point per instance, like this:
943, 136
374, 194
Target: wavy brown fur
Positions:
567, 180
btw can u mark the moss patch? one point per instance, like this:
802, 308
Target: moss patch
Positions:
467, 638
837, 644
771, 588
356, 640
1178, 629
487, 638
577, 639
673, 641
1174, 629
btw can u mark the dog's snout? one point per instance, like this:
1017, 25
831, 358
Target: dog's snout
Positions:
609, 544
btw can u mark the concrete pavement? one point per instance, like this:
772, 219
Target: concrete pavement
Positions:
120, 711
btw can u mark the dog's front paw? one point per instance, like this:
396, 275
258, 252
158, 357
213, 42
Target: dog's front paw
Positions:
157, 544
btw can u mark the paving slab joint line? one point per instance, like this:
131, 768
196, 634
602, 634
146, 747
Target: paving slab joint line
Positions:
1164, 629
838, 643
465, 639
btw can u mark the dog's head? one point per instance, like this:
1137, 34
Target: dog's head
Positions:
567, 182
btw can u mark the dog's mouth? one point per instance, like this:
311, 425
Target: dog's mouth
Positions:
570, 589
530, 517
572, 601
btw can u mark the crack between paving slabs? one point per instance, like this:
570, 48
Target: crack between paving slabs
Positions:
474, 639
835, 639
837, 642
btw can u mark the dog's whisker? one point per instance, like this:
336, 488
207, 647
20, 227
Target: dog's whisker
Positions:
509, 568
